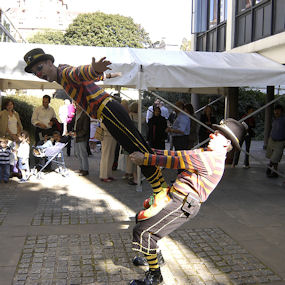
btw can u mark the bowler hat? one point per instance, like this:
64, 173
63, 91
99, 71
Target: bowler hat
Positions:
34, 56
232, 130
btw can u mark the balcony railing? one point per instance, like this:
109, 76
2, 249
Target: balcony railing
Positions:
8, 32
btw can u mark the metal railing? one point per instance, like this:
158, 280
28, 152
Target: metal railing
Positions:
8, 32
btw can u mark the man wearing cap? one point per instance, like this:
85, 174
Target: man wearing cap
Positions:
202, 171
78, 82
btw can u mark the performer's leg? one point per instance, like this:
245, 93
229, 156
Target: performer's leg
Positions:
119, 124
147, 232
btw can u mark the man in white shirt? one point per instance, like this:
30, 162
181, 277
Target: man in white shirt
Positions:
163, 109
42, 119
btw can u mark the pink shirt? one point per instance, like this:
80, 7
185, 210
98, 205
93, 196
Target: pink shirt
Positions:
70, 113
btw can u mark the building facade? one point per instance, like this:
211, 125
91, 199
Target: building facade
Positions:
240, 26
32, 16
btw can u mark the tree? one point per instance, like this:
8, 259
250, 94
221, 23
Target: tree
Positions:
47, 37
99, 29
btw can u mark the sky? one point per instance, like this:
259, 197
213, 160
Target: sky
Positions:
160, 18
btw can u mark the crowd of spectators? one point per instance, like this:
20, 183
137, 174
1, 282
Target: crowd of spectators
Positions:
163, 125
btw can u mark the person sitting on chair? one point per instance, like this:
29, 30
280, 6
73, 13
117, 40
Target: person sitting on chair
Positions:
42, 119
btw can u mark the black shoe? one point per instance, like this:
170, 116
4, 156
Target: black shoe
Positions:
132, 182
84, 173
141, 261
115, 166
273, 175
151, 278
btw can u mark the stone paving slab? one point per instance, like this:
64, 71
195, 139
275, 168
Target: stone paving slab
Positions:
199, 256
7, 200
61, 209
77, 230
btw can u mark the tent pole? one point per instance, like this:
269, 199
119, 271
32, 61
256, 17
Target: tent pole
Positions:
139, 87
268, 115
226, 111
139, 184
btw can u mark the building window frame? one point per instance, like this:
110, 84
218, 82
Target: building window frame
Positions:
256, 22
214, 38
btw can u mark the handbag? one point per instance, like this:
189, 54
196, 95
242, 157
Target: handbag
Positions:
99, 134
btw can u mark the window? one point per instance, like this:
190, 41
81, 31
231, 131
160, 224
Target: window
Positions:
223, 10
213, 15
244, 4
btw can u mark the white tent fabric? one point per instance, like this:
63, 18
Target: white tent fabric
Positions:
151, 69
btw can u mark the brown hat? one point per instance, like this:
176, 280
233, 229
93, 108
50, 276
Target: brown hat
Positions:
232, 130
34, 56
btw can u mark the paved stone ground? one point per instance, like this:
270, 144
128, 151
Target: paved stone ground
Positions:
7, 200
206, 256
76, 230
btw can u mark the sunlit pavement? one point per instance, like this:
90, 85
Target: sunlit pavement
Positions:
78, 230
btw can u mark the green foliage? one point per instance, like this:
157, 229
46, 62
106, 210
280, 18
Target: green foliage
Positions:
99, 29
256, 99
25, 105
48, 37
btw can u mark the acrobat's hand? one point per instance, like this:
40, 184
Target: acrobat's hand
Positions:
113, 75
137, 157
101, 65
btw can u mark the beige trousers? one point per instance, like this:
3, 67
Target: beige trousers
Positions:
108, 146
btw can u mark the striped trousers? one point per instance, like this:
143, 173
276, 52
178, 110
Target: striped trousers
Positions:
147, 233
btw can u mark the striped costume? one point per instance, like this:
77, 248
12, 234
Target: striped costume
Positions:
5, 163
202, 172
79, 84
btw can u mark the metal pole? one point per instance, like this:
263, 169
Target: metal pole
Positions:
211, 103
226, 111
139, 184
140, 74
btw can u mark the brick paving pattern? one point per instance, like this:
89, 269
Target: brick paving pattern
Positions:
200, 256
56, 209
7, 200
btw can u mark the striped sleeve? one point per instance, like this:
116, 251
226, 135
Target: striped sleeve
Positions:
161, 160
81, 73
168, 152
194, 161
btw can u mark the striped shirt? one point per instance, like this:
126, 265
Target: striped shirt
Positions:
78, 82
203, 170
5, 155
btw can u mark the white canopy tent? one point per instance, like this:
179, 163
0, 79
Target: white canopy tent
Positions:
149, 69
152, 69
